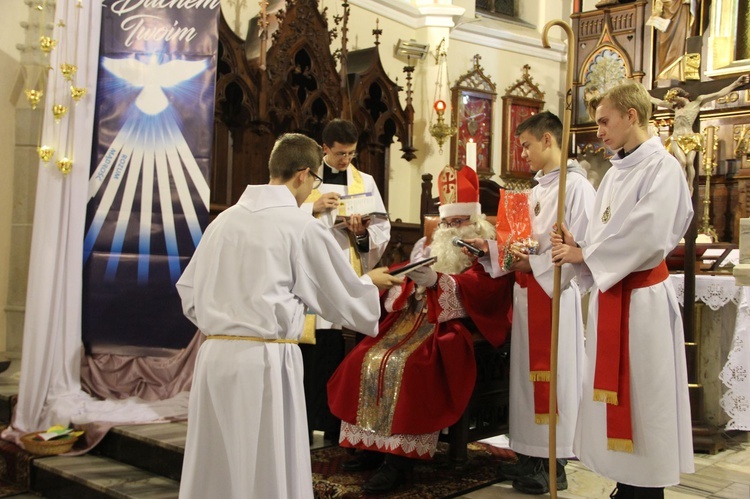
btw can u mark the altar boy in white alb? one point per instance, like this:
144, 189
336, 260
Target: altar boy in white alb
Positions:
257, 267
540, 137
634, 422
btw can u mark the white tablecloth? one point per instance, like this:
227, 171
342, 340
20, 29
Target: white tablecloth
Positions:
716, 292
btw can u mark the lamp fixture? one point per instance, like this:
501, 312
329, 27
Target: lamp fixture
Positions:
441, 130
411, 49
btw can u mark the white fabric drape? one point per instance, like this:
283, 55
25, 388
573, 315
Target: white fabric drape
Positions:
716, 292
734, 374
50, 389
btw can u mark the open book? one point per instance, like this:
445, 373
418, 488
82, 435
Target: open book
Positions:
413, 266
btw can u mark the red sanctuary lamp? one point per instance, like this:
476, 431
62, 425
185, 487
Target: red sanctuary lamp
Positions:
440, 130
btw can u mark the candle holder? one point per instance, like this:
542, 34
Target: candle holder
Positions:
709, 164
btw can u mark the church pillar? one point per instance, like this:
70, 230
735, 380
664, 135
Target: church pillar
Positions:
435, 28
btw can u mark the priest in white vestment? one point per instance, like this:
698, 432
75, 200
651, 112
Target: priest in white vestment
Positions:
634, 424
345, 191
260, 264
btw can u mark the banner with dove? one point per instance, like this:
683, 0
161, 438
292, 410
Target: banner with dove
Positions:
148, 198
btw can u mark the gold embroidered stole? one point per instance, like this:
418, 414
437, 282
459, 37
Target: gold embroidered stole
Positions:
383, 369
355, 185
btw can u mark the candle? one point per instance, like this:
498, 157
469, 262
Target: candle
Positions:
471, 154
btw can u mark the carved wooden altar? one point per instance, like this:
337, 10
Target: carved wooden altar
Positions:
296, 87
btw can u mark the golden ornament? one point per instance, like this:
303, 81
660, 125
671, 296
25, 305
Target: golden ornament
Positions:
77, 92
64, 165
68, 71
45, 153
58, 111
33, 96
47, 44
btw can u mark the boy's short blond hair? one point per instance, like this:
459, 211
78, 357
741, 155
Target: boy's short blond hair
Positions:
628, 95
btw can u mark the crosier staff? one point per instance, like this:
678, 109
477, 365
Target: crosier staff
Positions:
557, 275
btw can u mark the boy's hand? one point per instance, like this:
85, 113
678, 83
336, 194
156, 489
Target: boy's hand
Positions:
562, 253
557, 239
521, 262
382, 279
325, 202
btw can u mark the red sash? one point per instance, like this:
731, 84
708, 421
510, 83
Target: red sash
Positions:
540, 340
612, 374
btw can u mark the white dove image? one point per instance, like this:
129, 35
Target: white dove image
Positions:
149, 168
153, 77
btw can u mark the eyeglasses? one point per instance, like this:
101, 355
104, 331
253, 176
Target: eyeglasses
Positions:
454, 224
317, 180
342, 155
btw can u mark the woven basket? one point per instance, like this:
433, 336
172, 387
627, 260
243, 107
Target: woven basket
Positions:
48, 447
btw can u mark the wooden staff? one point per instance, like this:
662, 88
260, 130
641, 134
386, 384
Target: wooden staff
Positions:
557, 276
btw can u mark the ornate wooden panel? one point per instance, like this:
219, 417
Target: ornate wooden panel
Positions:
304, 89
377, 111
610, 46
298, 90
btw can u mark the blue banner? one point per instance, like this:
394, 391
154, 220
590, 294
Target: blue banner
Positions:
148, 189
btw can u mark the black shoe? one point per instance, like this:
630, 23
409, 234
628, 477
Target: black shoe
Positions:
624, 491
365, 460
387, 478
524, 466
538, 482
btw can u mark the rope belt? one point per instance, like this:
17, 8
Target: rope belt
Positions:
248, 338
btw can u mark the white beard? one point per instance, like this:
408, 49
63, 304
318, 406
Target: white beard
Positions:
450, 259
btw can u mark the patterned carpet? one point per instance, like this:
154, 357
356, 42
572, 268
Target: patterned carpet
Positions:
15, 466
434, 479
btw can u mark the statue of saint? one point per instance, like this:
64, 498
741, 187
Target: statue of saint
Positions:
683, 144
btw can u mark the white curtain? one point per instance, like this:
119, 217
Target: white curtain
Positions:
50, 389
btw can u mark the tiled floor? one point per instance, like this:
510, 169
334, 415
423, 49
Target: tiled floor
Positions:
725, 475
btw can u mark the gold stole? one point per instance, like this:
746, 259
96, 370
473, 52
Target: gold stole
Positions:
383, 368
355, 186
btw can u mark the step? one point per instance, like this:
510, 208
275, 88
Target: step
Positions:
8, 397
156, 448
93, 477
